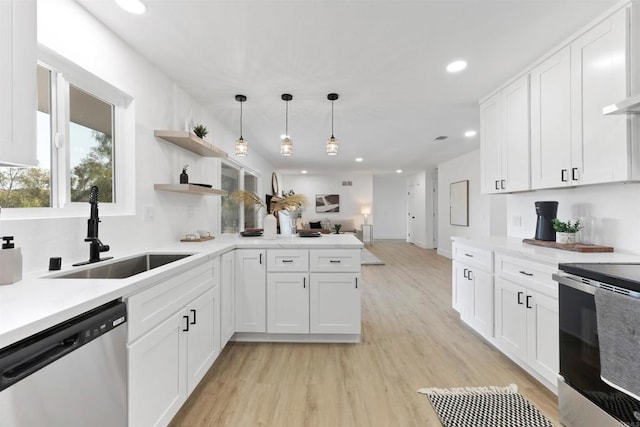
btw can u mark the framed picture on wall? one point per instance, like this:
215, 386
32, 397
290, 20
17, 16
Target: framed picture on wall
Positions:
327, 203
459, 203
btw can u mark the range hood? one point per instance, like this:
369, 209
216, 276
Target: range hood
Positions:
628, 106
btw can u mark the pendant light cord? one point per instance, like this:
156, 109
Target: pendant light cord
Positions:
331, 119
286, 119
241, 120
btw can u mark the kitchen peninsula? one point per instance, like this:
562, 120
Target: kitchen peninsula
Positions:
290, 289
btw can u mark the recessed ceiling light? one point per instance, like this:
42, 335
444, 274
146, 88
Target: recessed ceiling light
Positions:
470, 133
304, 171
133, 6
359, 159
457, 66
398, 170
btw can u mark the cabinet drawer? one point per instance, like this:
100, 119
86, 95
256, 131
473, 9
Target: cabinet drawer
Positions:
151, 307
474, 257
334, 260
532, 274
288, 260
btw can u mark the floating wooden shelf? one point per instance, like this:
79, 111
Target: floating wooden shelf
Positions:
189, 141
189, 189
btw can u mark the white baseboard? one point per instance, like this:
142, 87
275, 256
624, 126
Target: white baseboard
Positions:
445, 253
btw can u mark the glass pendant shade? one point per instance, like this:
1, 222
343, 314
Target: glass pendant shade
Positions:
332, 146
286, 146
242, 148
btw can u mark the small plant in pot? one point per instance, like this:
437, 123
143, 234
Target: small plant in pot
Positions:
336, 228
200, 131
566, 231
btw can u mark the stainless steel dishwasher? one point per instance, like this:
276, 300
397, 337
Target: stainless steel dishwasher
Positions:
72, 374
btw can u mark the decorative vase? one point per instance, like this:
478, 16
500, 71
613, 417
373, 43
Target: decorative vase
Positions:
270, 225
184, 178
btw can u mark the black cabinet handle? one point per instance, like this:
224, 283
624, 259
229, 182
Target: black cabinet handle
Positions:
469, 275
574, 173
464, 273
260, 259
519, 298
287, 261
304, 282
528, 299
497, 186
187, 319
502, 187
335, 261
563, 178
525, 273
194, 317
469, 255
356, 283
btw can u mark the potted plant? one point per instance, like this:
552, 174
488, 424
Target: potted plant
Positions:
200, 131
336, 228
566, 231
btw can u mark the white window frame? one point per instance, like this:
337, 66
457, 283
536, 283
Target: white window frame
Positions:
65, 73
242, 169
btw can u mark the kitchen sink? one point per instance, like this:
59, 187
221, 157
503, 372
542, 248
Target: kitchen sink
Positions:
125, 268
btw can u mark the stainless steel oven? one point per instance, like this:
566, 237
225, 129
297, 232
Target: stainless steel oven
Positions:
583, 398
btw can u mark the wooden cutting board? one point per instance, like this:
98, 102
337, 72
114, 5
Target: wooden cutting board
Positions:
575, 247
202, 239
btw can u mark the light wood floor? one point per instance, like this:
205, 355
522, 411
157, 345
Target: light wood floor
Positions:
411, 338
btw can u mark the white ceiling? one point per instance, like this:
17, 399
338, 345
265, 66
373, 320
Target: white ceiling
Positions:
386, 59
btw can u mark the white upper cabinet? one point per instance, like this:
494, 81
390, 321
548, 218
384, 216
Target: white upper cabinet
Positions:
18, 66
572, 142
599, 74
504, 139
551, 121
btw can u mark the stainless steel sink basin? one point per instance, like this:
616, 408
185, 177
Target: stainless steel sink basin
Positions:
125, 268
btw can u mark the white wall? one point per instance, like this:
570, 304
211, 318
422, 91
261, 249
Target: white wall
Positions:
64, 27
487, 213
610, 212
390, 207
351, 197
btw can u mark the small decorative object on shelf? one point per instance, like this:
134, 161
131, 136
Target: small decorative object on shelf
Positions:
566, 231
200, 131
184, 178
336, 228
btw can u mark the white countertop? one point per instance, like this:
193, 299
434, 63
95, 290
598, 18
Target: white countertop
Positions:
39, 301
552, 256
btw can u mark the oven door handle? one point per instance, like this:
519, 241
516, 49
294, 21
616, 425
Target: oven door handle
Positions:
580, 286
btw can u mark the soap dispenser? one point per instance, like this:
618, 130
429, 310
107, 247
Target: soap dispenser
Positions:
10, 262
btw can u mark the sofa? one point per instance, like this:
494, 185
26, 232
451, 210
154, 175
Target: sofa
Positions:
326, 226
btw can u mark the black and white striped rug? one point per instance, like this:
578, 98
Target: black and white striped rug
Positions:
484, 407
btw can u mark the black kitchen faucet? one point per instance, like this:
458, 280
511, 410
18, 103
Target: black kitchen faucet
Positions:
95, 245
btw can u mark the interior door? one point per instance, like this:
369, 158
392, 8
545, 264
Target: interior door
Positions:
410, 211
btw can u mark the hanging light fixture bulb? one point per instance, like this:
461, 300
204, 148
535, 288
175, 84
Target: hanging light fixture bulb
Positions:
286, 145
332, 143
242, 147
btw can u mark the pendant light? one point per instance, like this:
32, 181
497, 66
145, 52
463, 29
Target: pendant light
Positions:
332, 143
286, 146
242, 147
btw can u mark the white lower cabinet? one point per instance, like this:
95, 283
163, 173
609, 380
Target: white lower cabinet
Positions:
335, 303
251, 292
288, 303
527, 327
166, 363
473, 297
227, 298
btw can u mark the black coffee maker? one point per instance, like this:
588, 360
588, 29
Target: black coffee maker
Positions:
546, 211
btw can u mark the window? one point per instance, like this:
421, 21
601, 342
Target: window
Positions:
235, 177
80, 122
